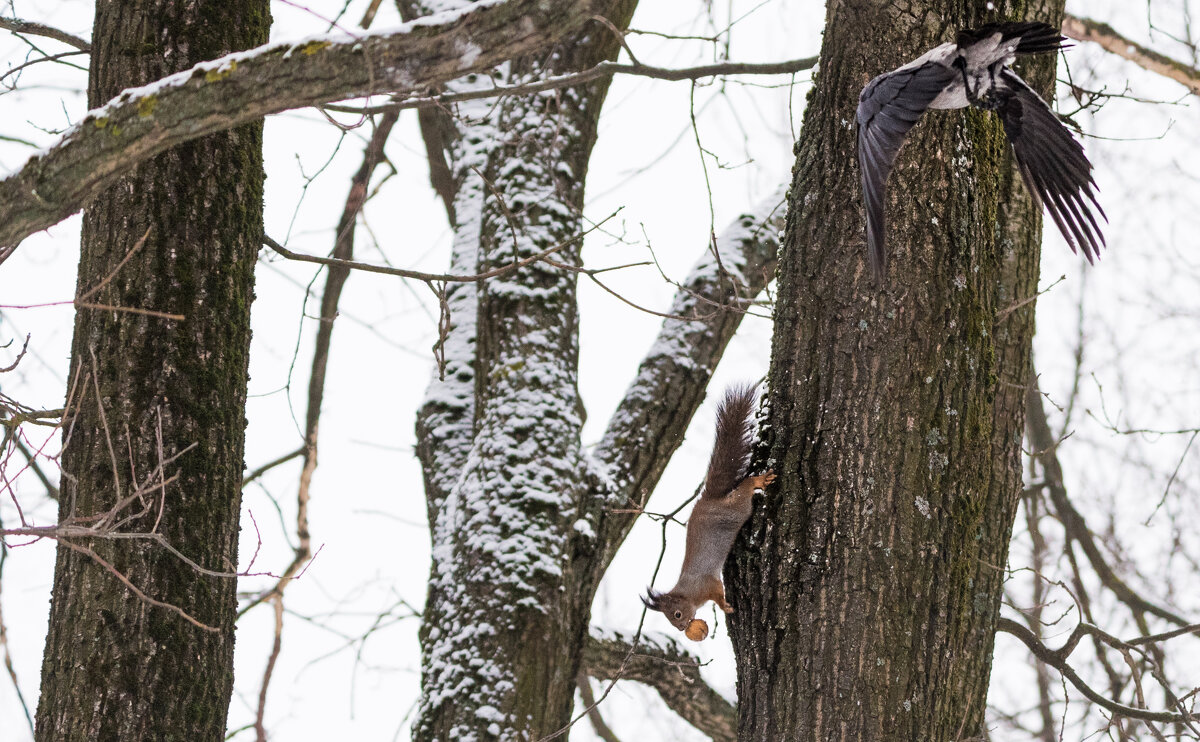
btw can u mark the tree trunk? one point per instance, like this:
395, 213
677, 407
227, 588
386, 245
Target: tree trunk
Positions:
156, 408
510, 591
868, 583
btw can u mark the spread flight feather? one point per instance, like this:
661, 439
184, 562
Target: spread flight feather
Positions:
974, 70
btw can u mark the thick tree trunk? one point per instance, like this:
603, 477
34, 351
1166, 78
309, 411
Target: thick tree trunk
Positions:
510, 591
155, 398
868, 583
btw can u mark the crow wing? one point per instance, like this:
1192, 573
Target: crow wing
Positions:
1033, 37
1053, 165
887, 108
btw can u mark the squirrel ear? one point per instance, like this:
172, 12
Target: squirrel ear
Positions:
651, 599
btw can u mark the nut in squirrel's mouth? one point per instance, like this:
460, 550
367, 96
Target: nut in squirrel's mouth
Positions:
697, 630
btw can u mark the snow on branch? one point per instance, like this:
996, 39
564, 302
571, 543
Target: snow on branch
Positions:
669, 669
245, 86
670, 384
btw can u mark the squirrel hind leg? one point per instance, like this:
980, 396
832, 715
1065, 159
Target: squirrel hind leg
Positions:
764, 480
716, 593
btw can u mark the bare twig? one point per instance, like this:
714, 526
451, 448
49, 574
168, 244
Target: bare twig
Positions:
1044, 446
39, 60
597, 72
603, 731
84, 296
260, 730
1027, 300
433, 277
131, 310
1057, 660
134, 588
18, 26
1085, 29
102, 307
20, 355
251, 476
591, 273
1164, 636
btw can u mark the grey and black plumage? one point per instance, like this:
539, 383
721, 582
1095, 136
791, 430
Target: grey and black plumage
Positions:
974, 70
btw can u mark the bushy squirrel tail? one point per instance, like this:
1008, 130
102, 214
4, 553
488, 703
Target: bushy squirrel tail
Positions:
731, 451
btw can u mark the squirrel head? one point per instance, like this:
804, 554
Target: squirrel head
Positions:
679, 611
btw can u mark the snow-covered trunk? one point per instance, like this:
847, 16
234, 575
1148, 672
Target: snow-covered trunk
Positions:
509, 595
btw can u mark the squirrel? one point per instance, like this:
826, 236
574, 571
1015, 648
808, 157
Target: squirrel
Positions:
723, 508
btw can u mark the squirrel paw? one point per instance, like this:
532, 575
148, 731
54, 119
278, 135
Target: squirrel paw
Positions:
763, 480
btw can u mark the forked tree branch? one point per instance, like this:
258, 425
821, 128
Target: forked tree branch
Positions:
243, 87
1058, 660
1041, 440
669, 669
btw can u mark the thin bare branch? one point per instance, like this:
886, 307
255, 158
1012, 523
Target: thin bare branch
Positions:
17, 361
134, 588
599, 71
1041, 439
85, 295
39, 60
435, 277
251, 476
29, 28
1057, 660
588, 698
1085, 29
260, 729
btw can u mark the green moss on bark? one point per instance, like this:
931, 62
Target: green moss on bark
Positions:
867, 587
117, 667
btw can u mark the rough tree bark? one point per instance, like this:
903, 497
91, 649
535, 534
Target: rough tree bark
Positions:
868, 584
522, 520
156, 416
499, 436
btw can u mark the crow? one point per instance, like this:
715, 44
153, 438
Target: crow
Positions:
974, 70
